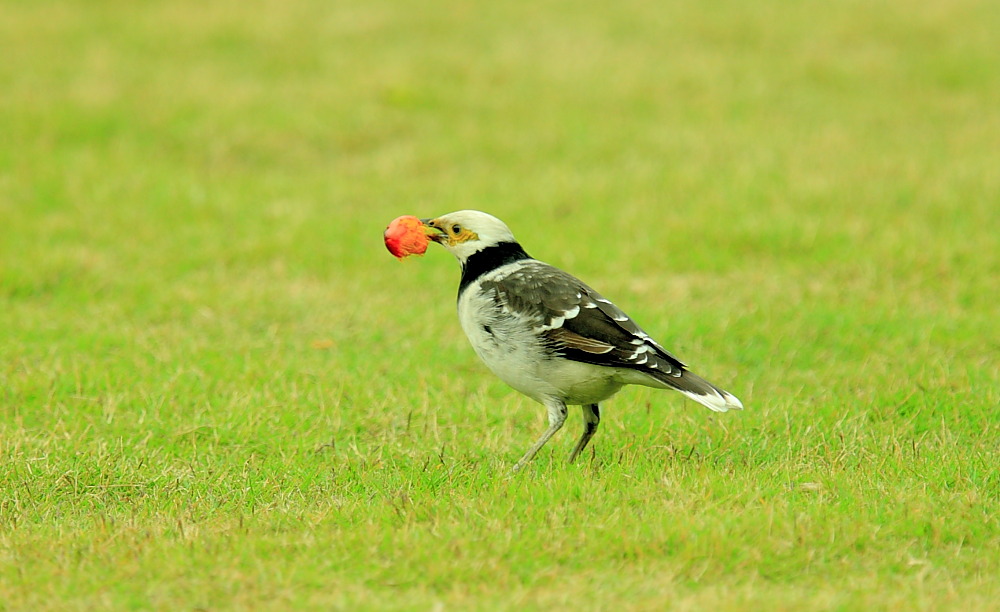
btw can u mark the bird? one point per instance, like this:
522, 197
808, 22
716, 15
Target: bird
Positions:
549, 335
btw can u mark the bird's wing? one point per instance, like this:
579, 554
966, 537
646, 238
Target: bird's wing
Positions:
577, 322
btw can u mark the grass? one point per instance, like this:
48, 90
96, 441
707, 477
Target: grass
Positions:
218, 391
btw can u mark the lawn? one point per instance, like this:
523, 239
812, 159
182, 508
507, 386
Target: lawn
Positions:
219, 391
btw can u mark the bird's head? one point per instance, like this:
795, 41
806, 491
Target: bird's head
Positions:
467, 232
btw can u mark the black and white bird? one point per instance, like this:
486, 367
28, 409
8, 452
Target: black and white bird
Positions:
549, 335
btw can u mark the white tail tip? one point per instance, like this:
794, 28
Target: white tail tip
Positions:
716, 402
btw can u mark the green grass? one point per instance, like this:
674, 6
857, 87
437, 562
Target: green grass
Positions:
218, 391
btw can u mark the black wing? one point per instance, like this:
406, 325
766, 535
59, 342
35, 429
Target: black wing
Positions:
578, 322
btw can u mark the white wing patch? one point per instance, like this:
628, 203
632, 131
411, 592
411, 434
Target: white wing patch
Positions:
557, 322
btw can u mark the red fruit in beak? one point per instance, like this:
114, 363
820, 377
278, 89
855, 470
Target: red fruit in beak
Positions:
405, 236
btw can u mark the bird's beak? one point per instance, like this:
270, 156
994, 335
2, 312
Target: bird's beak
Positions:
433, 231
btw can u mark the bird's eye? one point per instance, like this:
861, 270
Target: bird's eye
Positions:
456, 229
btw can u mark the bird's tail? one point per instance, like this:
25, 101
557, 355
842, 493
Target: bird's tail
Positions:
703, 392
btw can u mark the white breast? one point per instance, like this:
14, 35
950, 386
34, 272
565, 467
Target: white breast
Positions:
509, 345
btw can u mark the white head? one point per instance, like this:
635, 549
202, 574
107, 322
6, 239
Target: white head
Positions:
466, 232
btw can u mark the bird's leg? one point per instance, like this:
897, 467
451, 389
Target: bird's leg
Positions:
591, 419
557, 416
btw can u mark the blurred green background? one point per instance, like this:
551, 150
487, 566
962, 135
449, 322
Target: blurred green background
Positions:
218, 390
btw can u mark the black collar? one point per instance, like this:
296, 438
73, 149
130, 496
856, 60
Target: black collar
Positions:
489, 259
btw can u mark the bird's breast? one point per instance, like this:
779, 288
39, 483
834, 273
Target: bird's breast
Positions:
511, 347
505, 342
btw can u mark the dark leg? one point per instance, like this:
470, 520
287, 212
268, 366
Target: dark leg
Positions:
591, 419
